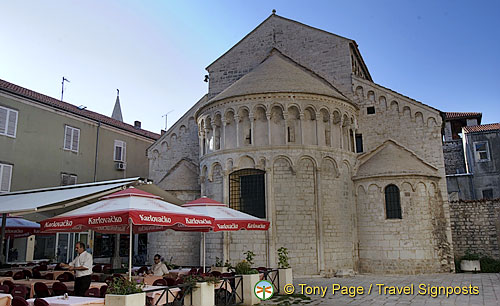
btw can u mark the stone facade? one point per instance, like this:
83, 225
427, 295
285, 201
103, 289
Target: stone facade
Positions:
476, 227
297, 106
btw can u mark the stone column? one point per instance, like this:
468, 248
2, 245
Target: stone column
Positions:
341, 134
301, 118
268, 116
252, 130
331, 130
319, 221
271, 233
214, 136
317, 128
223, 138
285, 117
225, 199
237, 121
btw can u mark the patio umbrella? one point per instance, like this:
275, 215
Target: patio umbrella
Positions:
17, 227
225, 218
127, 212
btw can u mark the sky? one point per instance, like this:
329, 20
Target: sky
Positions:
442, 53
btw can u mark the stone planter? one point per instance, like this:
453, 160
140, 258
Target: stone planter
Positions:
249, 281
203, 294
470, 266
286, 277
220, 269
136, 299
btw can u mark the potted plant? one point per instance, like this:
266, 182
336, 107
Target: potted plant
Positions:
284, 270
200, 289
124, 292
470, 262
250, 278
220, 267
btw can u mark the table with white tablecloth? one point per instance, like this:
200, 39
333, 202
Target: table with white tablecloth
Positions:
5, 299
71, 301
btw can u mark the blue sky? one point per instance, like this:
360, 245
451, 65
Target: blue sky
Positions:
442, 53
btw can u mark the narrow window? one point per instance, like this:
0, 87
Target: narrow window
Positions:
8, 122
68, 179
71, 138
488, 194
120, 150
5, 177
392, 202
482, 153
370, 110
359, 143
247, 192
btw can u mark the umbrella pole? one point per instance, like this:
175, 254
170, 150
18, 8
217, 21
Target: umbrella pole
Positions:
7, 250
2, 237
130, 250
204, 254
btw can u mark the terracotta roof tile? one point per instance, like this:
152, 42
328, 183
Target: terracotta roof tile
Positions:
41, 98
455, 115
481, 128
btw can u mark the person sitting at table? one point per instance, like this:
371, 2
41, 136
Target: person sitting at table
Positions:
82, 265
158, 268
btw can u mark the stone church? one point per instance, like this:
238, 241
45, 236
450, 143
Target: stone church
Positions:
293, 129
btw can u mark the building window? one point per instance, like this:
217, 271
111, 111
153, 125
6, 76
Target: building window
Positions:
247, 192
68, 179
8, 122
488, 194
370, 110
359, 143
5, 177
481, 151
392, 202
71, 138
120, 151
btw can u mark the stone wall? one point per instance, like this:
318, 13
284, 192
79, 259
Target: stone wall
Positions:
454, 160
476, 226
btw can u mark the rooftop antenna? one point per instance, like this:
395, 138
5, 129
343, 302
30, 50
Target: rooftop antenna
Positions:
62, 89
166, 118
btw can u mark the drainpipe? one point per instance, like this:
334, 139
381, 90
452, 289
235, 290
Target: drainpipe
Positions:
2, 237
96, 151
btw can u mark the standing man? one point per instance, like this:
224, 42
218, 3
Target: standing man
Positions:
82, 265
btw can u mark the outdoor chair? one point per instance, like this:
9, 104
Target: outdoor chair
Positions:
228, 274
179, 281
142, 270
70, 276
18, 275
4, 289
108, 280
41, 290
19, 301
160, 282
42, 267
59, 288
49, 276
63, 277
262, 269
19, 290
37, 274
216, 273
58, 267
27, 273
95, 278
30, 264
103, 290
106, 269
92, 292
8, 273
40, 302
10, 284
193, 271
97, 268
170, 281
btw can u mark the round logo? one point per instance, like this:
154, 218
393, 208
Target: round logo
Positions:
263, 290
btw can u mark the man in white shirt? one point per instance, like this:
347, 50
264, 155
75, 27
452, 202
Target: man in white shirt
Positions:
158, 268
82, 265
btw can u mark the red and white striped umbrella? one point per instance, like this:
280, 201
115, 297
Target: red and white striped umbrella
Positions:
147, 213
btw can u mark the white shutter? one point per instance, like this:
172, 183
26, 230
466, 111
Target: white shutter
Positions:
12, 123
124, 151
3, 120
119, 151
76, 140
5, 176
67, 137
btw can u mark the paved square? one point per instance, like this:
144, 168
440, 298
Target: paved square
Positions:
488, 285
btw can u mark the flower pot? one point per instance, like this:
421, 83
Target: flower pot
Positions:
285, 277
203, 294
470, 265
220, 269
136, 299
249, 281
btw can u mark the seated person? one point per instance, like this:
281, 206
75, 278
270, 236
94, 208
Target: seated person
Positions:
158, 268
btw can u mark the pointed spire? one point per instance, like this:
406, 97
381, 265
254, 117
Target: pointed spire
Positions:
117, 111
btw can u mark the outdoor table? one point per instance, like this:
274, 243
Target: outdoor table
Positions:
4, 278
155, 295
71, 285
56, 273
5, 299
146, 279
174, 273
71, 301
30, 284
102, 276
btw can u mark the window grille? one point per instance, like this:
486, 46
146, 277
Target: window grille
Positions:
247, 192
68, 179
392, 202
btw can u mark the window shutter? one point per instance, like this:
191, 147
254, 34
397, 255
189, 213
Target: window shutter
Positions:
3, 120
67, 138
64, 179
76, 140
5, 178
72, 180
124, 151
12, 123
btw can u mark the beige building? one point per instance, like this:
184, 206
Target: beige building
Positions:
293, 129
45, 142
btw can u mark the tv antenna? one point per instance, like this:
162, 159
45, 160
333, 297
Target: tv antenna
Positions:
166, 118
62, 89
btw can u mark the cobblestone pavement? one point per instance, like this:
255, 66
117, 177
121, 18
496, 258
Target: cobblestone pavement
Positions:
487, 283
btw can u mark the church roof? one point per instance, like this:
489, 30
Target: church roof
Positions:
455, 115
279, 73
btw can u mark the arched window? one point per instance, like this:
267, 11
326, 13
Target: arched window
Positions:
392, 202
247, 192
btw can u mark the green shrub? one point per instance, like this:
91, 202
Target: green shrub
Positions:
489, 265
249, 257
283, 258
244, 267
123, 286
469, 255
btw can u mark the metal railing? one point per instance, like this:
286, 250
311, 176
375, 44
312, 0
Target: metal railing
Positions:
225, 297
272, 276
177, 297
